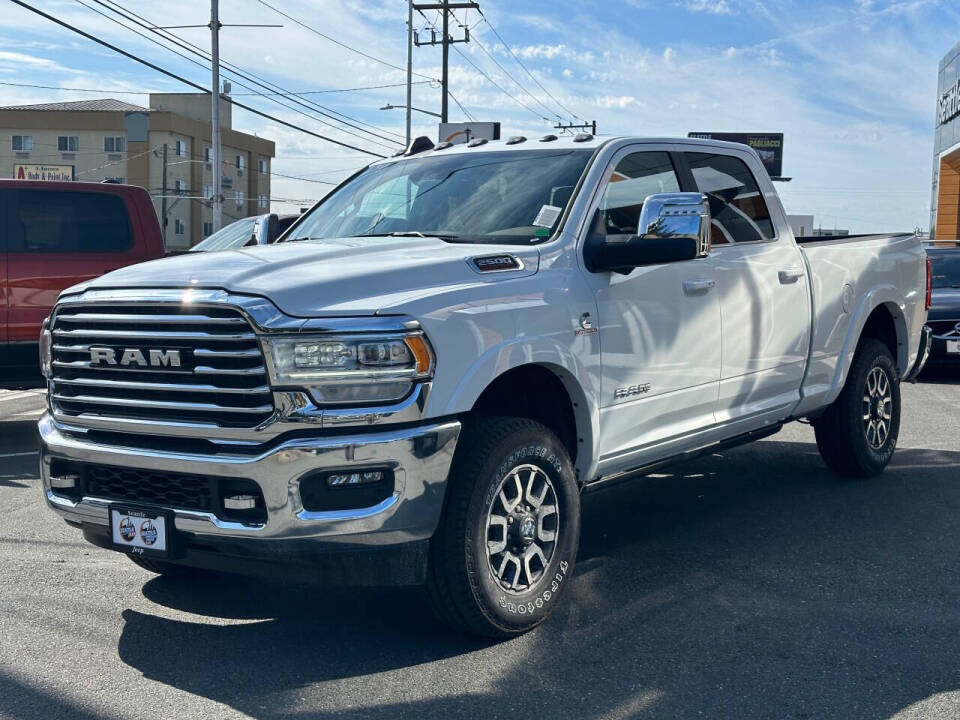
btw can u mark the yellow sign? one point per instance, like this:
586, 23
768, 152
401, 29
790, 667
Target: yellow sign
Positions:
43, 172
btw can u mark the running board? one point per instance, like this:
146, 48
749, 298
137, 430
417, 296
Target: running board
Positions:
626, 475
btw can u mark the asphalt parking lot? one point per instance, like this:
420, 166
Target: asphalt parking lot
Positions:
747, 584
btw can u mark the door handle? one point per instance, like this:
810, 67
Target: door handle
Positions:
790, 275
698, 286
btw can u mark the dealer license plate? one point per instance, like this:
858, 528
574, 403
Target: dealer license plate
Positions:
953, 347
139, 531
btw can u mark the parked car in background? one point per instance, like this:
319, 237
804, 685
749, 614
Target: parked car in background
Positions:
57, 234
254, 230
943, 319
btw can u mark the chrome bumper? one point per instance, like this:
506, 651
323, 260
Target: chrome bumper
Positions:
421, 458
926, 342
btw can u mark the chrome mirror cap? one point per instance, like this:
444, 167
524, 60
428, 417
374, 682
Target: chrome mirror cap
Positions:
677, 216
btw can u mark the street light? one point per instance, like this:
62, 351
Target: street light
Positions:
388, 106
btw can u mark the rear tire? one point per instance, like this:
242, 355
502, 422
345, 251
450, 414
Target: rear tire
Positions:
507, 541
857, 434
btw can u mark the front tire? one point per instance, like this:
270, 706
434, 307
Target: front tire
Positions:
504, 551
858, 433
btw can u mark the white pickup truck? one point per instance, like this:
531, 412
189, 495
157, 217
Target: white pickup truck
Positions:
419, 381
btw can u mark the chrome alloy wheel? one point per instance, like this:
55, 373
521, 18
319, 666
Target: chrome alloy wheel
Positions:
523, 523
877, 408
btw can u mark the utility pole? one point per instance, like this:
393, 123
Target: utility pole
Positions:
446, 41
591, 126
163, 198
409, 65
215, 115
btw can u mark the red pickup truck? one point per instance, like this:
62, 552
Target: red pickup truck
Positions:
56, 234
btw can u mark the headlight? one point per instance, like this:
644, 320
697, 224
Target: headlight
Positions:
339, 370
46, 352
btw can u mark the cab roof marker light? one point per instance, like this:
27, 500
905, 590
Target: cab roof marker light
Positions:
548, 138
516, 140
582, 137
477, 142
443, 146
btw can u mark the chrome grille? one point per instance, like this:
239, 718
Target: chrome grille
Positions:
221, 380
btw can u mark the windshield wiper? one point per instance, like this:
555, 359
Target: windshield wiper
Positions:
411, 233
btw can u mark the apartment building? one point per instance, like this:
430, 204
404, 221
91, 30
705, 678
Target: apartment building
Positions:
165, 148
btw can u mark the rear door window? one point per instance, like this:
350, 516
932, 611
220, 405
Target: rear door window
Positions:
737, 206
946, 269
53, 221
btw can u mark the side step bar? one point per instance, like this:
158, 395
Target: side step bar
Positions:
626, 475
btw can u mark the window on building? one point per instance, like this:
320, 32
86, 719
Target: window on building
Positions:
636, 177
68, 143
208, 192
241, 162
207, 155
737, 207
181, 148
207, 228
179, 228
263, 166
114, 144
181, 186
239, 198
47, 221
22, 143
263, 202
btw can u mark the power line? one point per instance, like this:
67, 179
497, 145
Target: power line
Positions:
133, 17
515, 81
182, 79
532, 76
337, 42
152, 92
247, 75
492, 81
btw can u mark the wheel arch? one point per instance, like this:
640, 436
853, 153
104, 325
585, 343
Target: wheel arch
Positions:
880, 315
549, 394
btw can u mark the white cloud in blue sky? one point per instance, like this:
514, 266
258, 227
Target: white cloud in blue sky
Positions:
851, 84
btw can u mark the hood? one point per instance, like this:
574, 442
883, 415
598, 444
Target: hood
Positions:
944, 304
348, 276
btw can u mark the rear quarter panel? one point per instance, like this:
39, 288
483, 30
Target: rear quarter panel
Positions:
850, 279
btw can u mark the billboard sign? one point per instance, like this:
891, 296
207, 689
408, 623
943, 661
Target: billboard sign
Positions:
462, 132
769, 146
42, 172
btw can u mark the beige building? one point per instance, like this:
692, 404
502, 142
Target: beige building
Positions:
96, 140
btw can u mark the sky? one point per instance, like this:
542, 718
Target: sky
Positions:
852, 85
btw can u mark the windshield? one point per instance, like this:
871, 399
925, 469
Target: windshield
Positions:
499, 197
234, 235
946, 269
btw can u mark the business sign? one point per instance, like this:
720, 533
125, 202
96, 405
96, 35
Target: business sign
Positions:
769, 146
461, 132
43, 172
948, 106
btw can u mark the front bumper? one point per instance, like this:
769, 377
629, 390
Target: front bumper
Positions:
420, 457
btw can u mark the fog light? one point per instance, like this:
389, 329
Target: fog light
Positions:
357, 478
240, 502
65, 481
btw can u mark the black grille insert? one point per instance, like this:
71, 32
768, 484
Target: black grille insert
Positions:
178, 491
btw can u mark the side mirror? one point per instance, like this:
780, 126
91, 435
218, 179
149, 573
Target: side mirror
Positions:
672, 227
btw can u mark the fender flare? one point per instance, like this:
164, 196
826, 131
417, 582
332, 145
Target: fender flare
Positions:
881, 295
547, 353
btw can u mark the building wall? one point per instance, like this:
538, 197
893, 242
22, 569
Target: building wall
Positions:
188, 208
945, 188
90, 162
